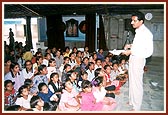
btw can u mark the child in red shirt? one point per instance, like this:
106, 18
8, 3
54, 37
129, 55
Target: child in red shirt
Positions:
10, 93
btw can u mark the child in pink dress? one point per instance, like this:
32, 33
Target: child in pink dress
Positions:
88, 101
99, 93
69, 100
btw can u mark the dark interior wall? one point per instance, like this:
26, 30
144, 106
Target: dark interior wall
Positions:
55, 32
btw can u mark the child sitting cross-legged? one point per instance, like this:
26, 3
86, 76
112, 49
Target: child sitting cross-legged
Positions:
69, 98
88, 101
99, 93
55, 85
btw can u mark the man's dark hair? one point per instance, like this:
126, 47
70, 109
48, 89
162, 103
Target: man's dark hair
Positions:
140, 16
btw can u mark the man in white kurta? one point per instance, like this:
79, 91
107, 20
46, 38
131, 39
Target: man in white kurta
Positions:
140, 49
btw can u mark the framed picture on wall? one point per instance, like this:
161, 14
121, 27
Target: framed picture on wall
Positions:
72, 28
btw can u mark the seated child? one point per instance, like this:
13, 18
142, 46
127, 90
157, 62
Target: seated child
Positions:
36, 103
84, 76
99, 93
55, 85
14, 108
29, 83
50, 106
23, 98
88, 101
69, 100
10, 93
45, 94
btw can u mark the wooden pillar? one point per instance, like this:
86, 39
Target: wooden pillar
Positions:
28, 34
102, 41
55, 31
90, 31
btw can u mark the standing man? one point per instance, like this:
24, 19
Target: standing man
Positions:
11, 38
140, 49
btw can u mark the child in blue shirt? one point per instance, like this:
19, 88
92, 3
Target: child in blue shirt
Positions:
45, 93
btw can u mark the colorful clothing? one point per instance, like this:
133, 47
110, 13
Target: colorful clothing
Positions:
10, 98
37, 80
88, 103
18, 79
45, 97
67, 97
108, 102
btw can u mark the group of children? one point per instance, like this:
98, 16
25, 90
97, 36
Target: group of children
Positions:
82, 87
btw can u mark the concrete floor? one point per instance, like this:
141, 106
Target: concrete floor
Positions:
154, 98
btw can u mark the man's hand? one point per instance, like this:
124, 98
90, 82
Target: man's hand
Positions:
127, 52
127, 46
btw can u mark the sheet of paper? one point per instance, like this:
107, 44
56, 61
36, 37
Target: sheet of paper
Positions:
116, 52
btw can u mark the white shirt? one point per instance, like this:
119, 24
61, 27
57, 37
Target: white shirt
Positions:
114, 74
96, 66
45, 62
90, 74
27, 75
18, 79
99, 94
50, 71
143, 42
24, 102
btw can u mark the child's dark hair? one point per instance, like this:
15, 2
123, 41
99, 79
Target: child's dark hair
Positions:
105, 67
66, 65
41, 85
38, 58
86, 83
28, 82
89, 64
53, 74
6, 82
97, 81
41, 67
67, 79
12, 65
45, 55
50, 106
69, 73
13, 108
98, 59
27, 61
20, 90
34, 100
97, 71
114, 63
83, 73
6, 60
66, 57
50, 61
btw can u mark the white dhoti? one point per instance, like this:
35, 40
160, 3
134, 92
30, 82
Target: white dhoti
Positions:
136, 66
